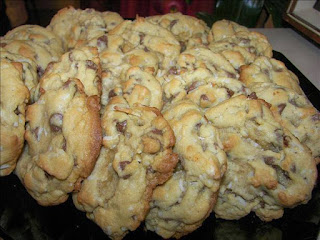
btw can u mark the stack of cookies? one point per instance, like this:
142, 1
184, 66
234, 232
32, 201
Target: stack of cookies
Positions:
159, 120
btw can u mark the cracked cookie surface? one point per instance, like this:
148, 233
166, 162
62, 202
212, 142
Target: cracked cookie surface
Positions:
294, 111
269, 70
188, 30
268, 168
180, 205
75, 26
136, 157
14, 97
38, 35
63, 128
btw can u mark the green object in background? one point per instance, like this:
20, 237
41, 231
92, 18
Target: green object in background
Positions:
245, 12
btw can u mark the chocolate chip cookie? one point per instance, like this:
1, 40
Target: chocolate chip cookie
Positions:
136, 157
268, 168
75, 26
269, 70
188, 30
180, 205
38, 35
14, 97
294, 111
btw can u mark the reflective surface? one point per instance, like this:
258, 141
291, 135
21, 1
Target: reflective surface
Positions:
22, 218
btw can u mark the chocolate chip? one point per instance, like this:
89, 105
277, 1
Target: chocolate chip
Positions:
281, 107
231, 75
16, 111
3, 45
268, 160
112, 94
146, 49
283, 176
183, 46
121, 126
230, 92
157, 131
141, 35
91, 65
55, 121
204, 97
123, 164
198, 125
126, 176
102, 41
66, 84
173, 70
293, 168
172, 23
253, 96
192, 86
286, 140
40, 71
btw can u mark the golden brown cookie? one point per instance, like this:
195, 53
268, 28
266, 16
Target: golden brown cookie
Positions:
75, 26
180, 205
63, 128
268, 168
188, 30
29, 70
294, 111
38, 35
136, 157
64, 138
269, 70
141, 34
14, 97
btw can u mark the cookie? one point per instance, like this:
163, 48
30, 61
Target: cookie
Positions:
294, 111
201, 86
136, 157
63, 130
202, 57
82, 63
64, 137
116, 76
268, 168
180, 205
33, 51
38, 35
29, 70
188, 30
14, 97
223, 29
141, 34
242, 48
75, 26
269, 70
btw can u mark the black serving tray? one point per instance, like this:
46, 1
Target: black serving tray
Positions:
21, 218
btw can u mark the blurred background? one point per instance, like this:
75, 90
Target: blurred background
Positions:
250, 13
